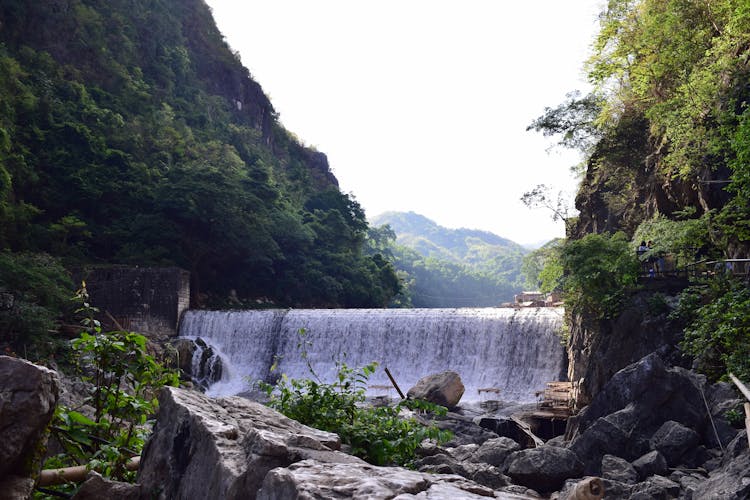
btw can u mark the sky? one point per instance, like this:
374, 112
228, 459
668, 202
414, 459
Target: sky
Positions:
422, 105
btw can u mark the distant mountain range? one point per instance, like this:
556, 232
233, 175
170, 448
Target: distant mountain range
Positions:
453, 267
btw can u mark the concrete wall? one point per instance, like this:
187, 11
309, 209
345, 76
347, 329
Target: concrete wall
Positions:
148, 300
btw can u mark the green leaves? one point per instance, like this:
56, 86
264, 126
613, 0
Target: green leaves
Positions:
379, 435
599, 271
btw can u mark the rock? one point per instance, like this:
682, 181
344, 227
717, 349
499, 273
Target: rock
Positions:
223, 448
618, 469
649, 464
185, 349
655, 488
96, 488
482, 473
443, 389
463, 452
495, 451
544, 469
730, 482
28, 396
312, 479
464, 430
632, 406
588, 488
512, 428
558, 441
672, 440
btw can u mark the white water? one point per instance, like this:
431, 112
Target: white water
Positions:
514, 350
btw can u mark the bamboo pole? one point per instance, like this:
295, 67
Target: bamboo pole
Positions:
388, 372
744, 390
76, 474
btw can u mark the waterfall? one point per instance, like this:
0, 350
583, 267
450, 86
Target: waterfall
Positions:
514, 350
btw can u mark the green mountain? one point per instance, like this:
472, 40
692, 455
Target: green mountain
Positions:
453, 267
130, 133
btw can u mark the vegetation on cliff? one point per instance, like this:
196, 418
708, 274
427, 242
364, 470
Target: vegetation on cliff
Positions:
666, 137
442, 267
130, 133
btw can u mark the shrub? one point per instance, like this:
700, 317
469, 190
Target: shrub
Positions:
718, 331
599, 270
381, 436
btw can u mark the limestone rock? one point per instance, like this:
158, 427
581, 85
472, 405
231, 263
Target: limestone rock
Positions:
447, 463
672, 440
314, 480
223, 448
730, 482
96, 488
28, 396
545, 468
618, 469
443, 389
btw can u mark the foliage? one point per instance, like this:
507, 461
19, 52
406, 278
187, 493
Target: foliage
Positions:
718, 331
599, 271
34, 291
542, 267
124, 380
379, 435
684, 237
574, 121
130, 133
443, 267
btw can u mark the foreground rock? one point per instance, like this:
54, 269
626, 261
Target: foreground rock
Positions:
311, 479
443, 389
28, 396
223, 448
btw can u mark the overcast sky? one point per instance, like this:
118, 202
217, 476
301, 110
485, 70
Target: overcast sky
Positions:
422, 105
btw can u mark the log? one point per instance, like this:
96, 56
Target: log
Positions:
590, 488
76, 474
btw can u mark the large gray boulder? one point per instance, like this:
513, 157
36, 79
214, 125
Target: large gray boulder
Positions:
28, 396
495, 451
672, 440
312, 479
618, 469
545, 469
649, 464
223, 448
443, 389
632, 406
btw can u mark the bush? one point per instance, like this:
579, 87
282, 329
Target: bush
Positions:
599, 270
718, 331
381, 436
34, 292
123, 381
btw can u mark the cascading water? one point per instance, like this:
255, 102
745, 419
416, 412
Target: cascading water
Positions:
514, 350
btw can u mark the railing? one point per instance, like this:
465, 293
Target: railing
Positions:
746, 392
664, 267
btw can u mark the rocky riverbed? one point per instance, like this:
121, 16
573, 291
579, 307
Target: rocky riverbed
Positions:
653, 431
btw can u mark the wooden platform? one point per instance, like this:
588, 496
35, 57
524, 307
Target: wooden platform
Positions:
557, 400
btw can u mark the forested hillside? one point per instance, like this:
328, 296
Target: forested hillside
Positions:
444, 267
130, 133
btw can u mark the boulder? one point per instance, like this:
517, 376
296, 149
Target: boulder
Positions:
632, 406
96, 488
544, 469
510, 427
495, 451
312, 479
672, 440
28, 396
655, 488
464, 430
649, 464
223, 448
448, 463
443, 389
618, 469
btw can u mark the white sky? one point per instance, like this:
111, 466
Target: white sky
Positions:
423, 105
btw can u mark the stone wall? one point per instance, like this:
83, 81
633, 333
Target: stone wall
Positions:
148, 300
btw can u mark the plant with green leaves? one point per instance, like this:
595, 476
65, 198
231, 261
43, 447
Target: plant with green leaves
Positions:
379, 435
718, 332
599, 271
123, 380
